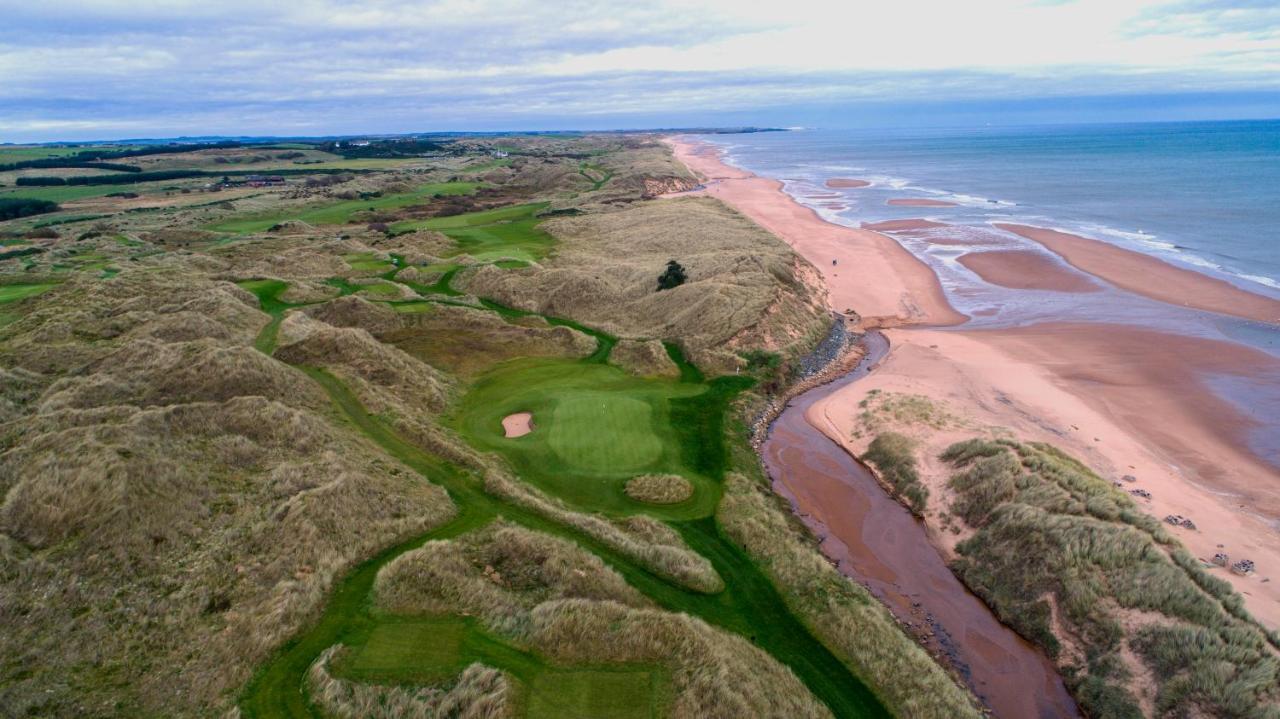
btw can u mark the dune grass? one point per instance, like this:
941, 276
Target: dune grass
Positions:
1072, 564
507, 233
339, 213
749, 605
433, 650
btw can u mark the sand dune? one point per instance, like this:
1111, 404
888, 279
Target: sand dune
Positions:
905, 290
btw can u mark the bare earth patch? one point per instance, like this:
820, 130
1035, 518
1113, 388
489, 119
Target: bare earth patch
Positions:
517, 425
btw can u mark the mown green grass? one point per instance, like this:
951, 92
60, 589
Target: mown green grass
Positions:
596, 427
367, 262
13, 293
507, 233
22, 153
433, 650
339, 213
749, 605
67, 193
268, 294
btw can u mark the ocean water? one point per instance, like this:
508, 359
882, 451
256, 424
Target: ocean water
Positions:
1202, 194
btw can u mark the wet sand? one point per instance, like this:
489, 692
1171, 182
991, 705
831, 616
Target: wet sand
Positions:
905, 291
1025, 270
845, 183
875, 539
1124, 400
517, 425
902, 225
919, 202
1151, 277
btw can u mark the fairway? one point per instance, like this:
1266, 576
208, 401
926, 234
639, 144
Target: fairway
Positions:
13, 293
605, 432
434, 650
339, 213
594, 695
507, 233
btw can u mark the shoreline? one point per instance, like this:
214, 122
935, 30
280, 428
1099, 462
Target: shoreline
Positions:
907, 292
1149, 276
1089, 388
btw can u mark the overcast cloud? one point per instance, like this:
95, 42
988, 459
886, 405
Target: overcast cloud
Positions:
106, 68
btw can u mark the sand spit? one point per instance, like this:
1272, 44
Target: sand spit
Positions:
517, 425
1151, 277
904, 291
1025, 270
902, 225
842, 183
919, 202
1094, 391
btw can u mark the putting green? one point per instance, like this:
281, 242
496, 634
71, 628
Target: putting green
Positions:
598, 426
604, 432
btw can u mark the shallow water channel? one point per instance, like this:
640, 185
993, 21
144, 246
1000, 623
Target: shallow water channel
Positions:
876, 541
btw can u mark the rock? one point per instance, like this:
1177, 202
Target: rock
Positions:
1221, 559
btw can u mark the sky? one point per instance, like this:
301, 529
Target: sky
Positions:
102, 69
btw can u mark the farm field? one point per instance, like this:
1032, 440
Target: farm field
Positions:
338, 213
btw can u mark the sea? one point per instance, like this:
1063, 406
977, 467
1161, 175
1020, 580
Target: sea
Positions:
1202, 195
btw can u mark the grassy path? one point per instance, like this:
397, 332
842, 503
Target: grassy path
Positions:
749, 606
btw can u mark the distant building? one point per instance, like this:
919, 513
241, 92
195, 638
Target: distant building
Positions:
263, 180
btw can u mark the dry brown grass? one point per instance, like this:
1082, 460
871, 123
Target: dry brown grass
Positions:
644, 358
480, 692
854, 625
659, 488
172, 488
551, 596
743, 289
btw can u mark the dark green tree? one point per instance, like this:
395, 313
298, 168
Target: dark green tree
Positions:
674, 276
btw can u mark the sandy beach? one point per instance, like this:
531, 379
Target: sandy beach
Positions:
1151, 277
1023, 270
1126, 400
905, 290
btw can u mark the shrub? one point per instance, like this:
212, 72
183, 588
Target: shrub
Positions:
674, 276
15, 207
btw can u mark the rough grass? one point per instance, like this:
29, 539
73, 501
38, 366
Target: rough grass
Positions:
743, 288
341, 212
893, 456
1072, 564
853, 624
659, 488
556, 600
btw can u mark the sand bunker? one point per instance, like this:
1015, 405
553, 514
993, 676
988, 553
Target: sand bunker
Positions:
919, 202
1025, 270
841, 183
518, 424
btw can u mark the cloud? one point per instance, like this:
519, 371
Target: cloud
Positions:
394, 65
